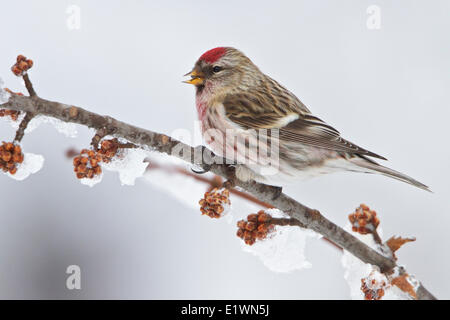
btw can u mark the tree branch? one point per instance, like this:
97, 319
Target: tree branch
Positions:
206, 160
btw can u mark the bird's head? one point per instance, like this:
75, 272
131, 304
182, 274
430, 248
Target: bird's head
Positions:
223, 68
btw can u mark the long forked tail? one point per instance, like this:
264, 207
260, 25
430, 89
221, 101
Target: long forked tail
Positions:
374, 167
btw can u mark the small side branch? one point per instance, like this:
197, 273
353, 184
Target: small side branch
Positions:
29, 85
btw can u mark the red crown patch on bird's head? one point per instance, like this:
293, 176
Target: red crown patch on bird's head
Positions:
213, 55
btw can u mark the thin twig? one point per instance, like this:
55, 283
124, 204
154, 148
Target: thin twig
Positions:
29, 85
23, 126
376, 237
286, 222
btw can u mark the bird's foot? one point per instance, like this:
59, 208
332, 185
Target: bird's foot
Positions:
200, 152
203, 170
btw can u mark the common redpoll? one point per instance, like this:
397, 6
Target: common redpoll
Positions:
249, 118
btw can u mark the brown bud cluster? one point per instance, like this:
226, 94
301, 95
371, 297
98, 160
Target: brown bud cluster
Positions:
215, 202
87, 163
364, 220
10, 156
11, 113
108, 149
22, 65
257, 227
373, 288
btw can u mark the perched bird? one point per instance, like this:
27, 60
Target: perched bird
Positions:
244, 113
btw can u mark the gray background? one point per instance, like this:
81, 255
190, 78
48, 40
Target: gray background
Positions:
386, 90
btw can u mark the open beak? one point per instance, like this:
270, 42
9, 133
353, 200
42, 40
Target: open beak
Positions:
197, 78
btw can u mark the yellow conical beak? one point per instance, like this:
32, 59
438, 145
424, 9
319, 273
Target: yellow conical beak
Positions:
197, 78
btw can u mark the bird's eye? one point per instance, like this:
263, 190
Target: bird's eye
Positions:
217, 69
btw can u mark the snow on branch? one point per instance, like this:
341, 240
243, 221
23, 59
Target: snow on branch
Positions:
201, 157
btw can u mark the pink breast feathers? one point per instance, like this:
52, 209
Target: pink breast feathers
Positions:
201, 109
202, 98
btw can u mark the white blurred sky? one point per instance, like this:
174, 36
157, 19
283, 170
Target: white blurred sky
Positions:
386, 90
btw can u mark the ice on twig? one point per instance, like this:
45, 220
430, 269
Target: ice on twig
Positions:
356, 270
284, 249
276, 213
129, 164
93, 181
395, 293
32, 163
66, 128
4, 95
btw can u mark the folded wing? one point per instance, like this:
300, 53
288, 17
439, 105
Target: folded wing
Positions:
295, 125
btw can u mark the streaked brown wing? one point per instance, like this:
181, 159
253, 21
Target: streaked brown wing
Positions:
321, 135
247, 112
